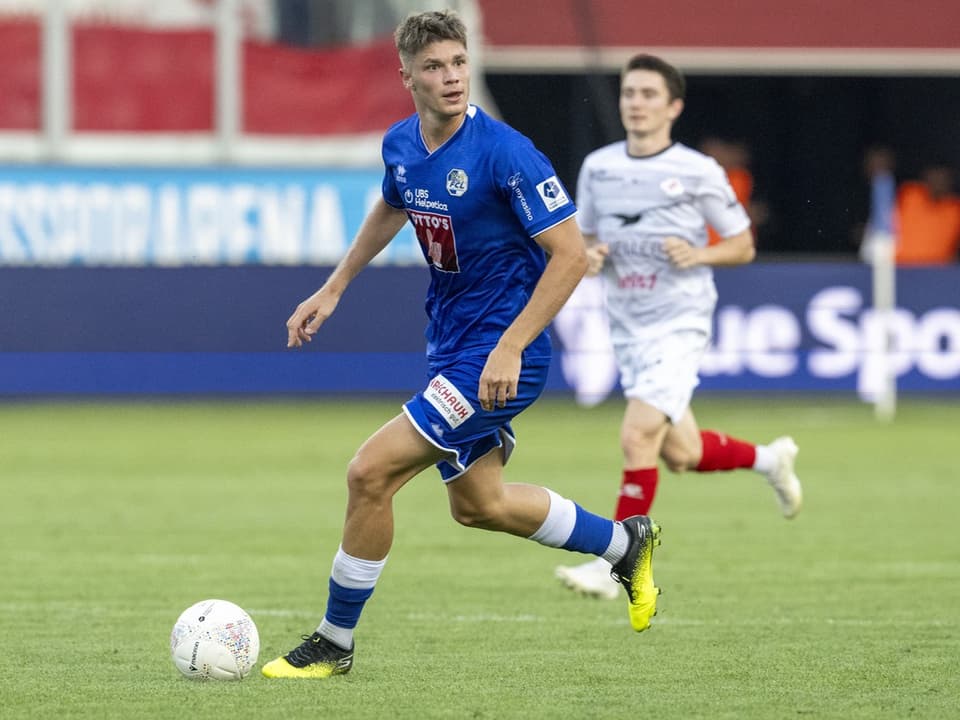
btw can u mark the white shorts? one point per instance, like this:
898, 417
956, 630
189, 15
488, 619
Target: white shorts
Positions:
663, 372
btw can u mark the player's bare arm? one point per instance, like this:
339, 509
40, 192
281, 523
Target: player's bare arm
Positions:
382, 223
736, 249
566, 265
596, 254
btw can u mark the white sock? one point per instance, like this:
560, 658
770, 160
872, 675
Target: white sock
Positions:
341, 637
559, 523
618, 544
766, 461
352, 573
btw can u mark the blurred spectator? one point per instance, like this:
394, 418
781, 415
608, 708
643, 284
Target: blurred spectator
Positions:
734, 158
929, 219
923, 214
878, 166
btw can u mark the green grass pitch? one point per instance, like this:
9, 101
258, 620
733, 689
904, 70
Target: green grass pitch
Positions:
117, 516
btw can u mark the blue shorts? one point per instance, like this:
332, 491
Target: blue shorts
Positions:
448, 414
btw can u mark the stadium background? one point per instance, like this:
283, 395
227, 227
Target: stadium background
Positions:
174, 178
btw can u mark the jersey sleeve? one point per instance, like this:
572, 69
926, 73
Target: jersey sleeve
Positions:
719, 204
586, 215
388, 187
537, 197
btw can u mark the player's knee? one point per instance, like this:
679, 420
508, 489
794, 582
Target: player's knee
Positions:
678, 465
680, 459
364, 479
475, 515
638, 440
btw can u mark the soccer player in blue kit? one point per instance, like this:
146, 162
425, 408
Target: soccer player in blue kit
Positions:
488, 211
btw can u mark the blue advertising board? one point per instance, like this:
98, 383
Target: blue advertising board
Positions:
185, 216
800, 326
174, 281
779, 327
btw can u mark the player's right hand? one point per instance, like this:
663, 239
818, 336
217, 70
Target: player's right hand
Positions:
500, 378
308, 317
596, 254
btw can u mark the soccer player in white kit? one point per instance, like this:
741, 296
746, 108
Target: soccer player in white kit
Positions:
645, 203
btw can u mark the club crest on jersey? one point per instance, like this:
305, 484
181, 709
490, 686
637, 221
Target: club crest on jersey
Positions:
672, 187
435, 235
457, 182
552, 193
449, 401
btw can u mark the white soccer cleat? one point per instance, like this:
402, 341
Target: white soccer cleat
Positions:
783, 479
591, 579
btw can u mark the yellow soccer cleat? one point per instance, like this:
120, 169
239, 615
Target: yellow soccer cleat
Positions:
635, 570
315, 657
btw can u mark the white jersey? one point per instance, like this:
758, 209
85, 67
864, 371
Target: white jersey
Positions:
632, 204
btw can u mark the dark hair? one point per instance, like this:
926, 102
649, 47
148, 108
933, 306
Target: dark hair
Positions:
422, 29
676, 84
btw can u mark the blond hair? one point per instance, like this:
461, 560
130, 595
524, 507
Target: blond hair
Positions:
422, 29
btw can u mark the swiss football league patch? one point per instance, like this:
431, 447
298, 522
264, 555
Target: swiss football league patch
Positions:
448, 401
435, 234
552, 193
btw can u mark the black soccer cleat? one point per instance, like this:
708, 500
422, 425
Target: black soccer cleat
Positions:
635, 570
315, 657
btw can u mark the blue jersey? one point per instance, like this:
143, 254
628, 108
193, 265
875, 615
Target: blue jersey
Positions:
475, 203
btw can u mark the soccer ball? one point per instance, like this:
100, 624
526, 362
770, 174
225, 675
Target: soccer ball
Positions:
214, 640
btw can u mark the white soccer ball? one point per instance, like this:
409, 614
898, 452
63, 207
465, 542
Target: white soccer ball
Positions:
214, 640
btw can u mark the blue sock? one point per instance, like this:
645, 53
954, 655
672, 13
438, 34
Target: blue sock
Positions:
344, 605
591, 533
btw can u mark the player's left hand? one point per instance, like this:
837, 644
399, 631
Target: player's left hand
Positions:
681, 253
596, 255
499, 379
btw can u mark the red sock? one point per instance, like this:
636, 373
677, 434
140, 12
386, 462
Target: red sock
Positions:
722, 452
636, 493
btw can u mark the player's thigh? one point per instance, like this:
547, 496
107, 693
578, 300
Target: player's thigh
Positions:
641, 433
481, 486
392, 455
682, 447
663, 371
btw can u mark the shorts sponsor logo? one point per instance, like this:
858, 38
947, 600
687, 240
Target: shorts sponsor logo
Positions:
448, 401
552, 193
